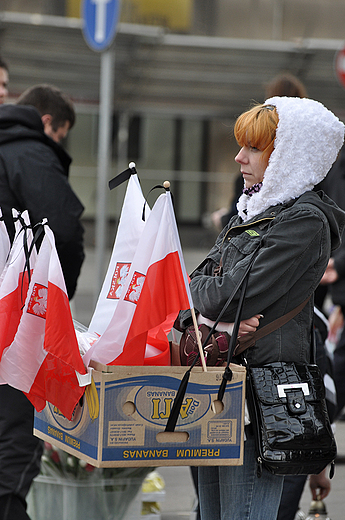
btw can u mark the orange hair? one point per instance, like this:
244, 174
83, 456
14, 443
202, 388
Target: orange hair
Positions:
257, 128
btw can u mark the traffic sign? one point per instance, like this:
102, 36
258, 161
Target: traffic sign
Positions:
100, 19
340, 66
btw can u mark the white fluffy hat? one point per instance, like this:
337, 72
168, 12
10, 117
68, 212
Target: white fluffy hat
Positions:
308, 139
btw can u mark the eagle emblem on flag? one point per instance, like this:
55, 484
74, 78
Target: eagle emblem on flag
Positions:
38, 301
135, 287
118, 280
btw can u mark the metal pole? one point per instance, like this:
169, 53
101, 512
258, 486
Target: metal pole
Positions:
278, 20
122, 160
104, 160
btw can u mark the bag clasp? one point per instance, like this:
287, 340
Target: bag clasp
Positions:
292, 386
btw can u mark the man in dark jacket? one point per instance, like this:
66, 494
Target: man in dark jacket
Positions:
34, 171
34, 176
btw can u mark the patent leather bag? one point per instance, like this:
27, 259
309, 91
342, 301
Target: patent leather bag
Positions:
287, 408
288, 413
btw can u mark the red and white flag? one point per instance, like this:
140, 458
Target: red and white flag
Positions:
43, 357
130, 228
14, 281
156, 289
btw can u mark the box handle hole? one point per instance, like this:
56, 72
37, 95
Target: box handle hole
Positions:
217, 407
129, 408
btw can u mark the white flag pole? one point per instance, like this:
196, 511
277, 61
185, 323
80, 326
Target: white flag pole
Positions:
166, 185
197, 335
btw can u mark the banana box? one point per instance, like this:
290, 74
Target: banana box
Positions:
122, 419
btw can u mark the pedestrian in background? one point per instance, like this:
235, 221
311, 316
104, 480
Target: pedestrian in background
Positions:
286, 84
333, 281
34, 170
3, 81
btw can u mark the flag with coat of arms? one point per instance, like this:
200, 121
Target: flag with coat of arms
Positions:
125, 245
43, 357
155, 290
14, 279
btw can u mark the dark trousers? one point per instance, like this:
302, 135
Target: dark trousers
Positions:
20, 453
291, 495
12, 507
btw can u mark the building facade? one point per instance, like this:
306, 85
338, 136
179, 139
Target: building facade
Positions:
180, 81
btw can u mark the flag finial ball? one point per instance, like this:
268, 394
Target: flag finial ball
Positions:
166, 184
131, 165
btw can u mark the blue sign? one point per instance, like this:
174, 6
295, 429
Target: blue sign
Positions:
100, 20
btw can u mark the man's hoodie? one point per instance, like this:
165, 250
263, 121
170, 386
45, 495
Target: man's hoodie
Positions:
20, 122
34, 176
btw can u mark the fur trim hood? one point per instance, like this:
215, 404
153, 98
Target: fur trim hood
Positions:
308, 139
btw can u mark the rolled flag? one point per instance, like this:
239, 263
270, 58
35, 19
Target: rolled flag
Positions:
156, 288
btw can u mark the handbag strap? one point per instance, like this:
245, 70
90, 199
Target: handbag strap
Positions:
241, 282
248, 340
237, 346
175, 410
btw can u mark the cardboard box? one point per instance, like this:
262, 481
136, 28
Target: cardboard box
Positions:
134, 406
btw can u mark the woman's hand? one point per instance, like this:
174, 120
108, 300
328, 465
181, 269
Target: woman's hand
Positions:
335, 324
330, 275
249, 325
320, 485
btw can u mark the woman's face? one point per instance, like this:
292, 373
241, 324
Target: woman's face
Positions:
253, 167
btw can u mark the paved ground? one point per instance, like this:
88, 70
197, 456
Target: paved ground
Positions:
180, 495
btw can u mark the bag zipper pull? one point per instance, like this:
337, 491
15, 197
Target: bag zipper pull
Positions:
259, 467
332, 469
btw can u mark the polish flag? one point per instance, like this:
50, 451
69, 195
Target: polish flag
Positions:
125, 245
14, 280
127, 239
156, 289
43, 357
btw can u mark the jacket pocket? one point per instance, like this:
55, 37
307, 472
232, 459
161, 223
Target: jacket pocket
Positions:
238, 248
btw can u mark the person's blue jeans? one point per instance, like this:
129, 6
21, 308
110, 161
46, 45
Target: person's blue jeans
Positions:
236, 493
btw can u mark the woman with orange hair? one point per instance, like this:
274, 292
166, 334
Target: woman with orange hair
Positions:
287, 146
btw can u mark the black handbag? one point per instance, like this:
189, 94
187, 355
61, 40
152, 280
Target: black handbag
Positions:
286, 404
287, 408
